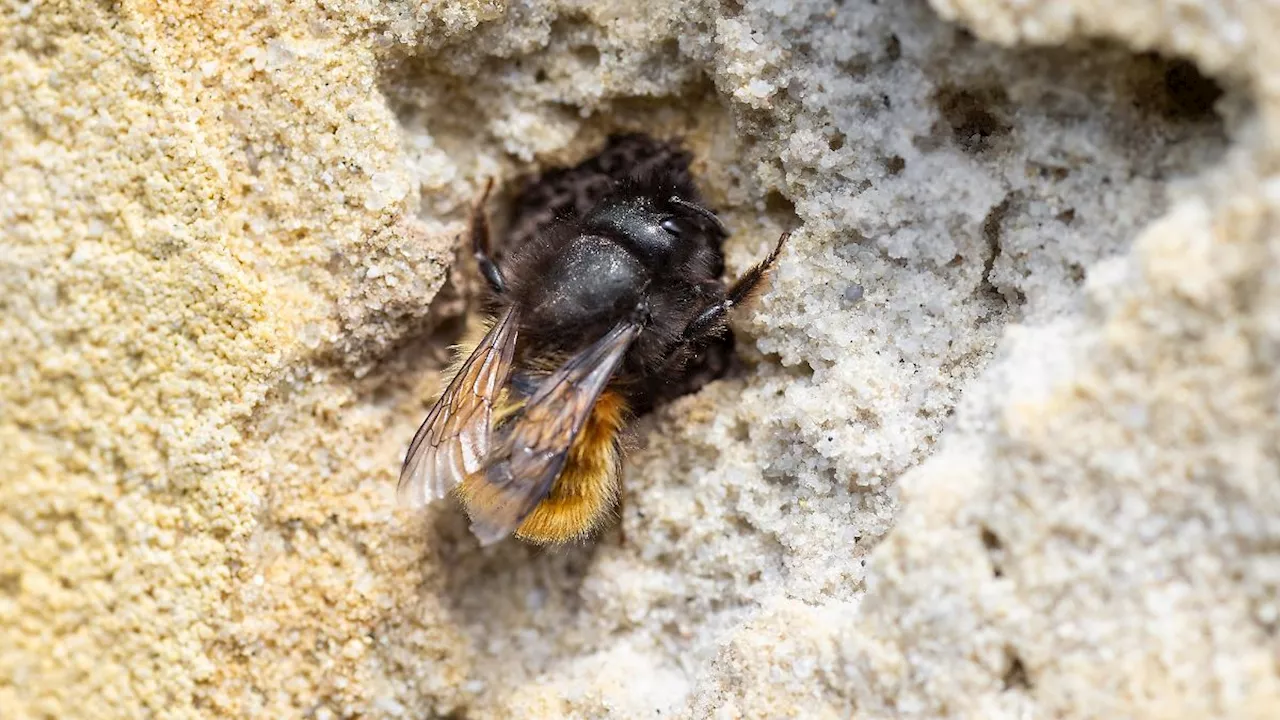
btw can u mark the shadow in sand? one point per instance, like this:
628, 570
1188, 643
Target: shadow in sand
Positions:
512, 598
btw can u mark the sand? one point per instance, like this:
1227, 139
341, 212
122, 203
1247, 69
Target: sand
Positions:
1003, 442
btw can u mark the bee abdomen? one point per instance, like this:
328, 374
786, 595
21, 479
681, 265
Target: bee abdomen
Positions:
586, 492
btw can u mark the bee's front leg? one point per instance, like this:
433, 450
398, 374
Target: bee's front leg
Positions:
480, 243
712, 319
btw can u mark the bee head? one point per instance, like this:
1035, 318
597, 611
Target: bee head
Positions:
659, 228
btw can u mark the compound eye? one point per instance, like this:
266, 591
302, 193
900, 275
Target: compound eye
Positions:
679, 227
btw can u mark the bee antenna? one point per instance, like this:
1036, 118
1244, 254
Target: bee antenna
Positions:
701, 212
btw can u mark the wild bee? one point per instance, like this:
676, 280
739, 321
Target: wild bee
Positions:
596, 310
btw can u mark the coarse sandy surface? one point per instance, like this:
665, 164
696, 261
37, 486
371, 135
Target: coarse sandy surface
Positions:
1003, 441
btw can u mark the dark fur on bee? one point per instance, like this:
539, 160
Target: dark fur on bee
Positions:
565, 195
592, 312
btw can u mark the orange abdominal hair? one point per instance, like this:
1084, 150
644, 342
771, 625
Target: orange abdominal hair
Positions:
584, 495
586, 491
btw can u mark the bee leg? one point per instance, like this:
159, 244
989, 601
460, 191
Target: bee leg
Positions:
622, 516
480, 246
711, 320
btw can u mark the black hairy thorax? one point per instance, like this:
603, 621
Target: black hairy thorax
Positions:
575, 263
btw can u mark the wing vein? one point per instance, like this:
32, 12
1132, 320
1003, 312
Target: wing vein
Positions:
535, 446
453, 439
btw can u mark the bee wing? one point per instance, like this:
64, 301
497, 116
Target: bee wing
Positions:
522, 469
454, 439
